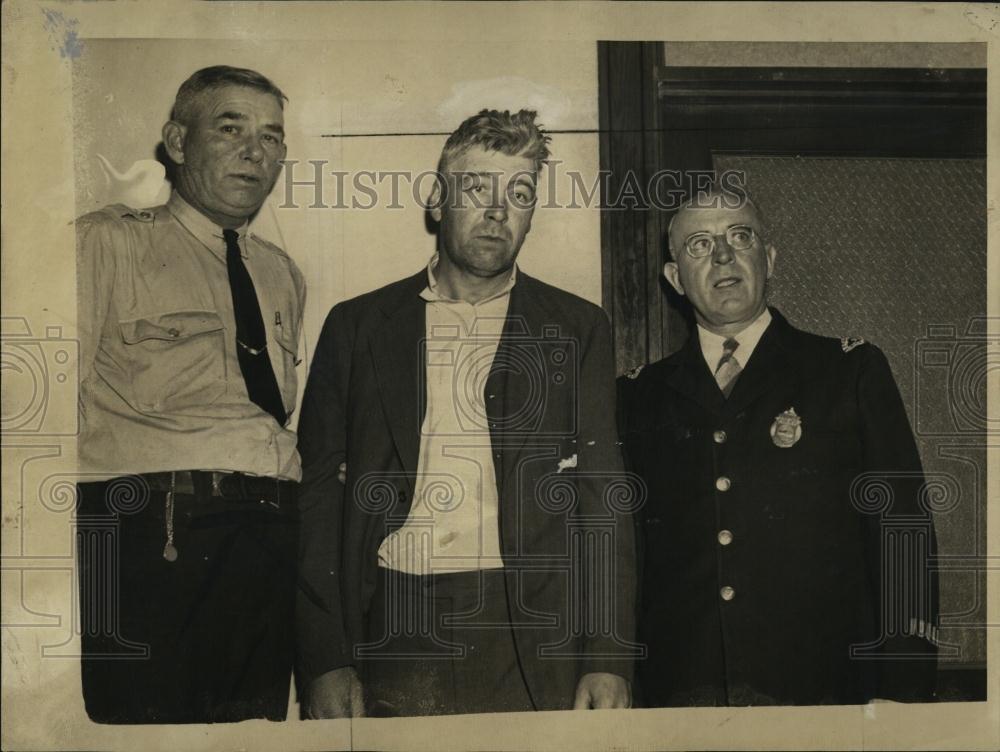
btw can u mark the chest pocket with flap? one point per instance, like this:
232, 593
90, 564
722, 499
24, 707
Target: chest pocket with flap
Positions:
284, 359
177, 360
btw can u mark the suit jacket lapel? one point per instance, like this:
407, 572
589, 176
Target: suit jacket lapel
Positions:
693, 379
511, 375
398, 351
770, 366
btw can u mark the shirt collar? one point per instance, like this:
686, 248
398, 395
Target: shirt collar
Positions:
711, 343
204, 229
433, 293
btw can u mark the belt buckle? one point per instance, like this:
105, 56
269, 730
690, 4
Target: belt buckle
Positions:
217, 484
276, 503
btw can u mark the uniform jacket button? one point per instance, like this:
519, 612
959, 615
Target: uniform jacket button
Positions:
725, 537
719, 437
723, 483
727, 593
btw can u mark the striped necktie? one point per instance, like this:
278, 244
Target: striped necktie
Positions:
729, 367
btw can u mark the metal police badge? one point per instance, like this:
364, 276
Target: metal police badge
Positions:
786, 429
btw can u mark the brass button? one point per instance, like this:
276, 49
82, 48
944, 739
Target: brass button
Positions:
720, 437
725, 537
723, 483
727, 593
174, 332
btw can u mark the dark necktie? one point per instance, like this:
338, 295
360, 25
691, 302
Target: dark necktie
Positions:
251, 337
729, 368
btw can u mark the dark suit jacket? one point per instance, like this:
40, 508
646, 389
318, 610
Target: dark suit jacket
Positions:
808, 524
551, 393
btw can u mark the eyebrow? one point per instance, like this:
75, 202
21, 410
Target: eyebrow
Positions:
728, 227
233, 115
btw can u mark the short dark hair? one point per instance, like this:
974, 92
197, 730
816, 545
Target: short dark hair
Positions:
216, 77
511, 134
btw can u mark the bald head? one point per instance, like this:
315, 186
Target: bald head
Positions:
721, 261
696, 210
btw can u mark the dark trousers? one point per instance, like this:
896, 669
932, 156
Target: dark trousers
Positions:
205, 638
439, 645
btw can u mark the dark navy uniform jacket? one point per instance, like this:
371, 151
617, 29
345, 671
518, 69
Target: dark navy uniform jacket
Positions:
763, 554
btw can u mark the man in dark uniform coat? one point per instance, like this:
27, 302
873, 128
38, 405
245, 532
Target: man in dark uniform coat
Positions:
477, 498
784, 540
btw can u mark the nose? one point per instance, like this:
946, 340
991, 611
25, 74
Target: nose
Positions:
497, 211
252, 150
722, 253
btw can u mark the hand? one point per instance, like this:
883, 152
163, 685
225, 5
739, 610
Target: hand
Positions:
601, 690
336, 694
342, 472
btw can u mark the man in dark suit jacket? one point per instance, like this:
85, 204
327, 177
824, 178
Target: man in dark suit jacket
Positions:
785, 540
479, 556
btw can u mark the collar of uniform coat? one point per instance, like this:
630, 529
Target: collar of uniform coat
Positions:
772, 363
713, 345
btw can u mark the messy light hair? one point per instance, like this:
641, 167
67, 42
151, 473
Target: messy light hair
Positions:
515, 135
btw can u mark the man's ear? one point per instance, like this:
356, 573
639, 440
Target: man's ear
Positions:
771, 254
435, 199
673, 274
173, 140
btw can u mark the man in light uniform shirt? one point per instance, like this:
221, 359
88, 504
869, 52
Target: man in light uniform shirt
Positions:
189, 326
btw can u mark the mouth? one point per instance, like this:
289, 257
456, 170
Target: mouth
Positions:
492, 238
246, 178
727, 282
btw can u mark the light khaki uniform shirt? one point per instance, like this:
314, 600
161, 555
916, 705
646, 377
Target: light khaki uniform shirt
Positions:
160, 383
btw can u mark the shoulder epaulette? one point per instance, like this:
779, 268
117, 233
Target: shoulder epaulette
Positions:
274, 248
849, 343
634, 373
124, 211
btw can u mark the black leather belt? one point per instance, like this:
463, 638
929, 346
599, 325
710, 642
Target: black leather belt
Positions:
204, 484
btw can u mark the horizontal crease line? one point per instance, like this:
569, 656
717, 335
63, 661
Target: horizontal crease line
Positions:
448, 133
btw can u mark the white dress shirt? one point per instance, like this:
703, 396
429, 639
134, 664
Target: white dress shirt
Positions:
712, 344
453, 525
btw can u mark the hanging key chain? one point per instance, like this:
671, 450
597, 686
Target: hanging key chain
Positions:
169, 550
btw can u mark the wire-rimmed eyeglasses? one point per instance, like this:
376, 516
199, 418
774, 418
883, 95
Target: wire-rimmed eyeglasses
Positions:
702, 244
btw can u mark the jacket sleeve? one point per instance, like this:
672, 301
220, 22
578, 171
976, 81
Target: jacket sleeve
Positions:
900, 539
322, 643
606, 493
